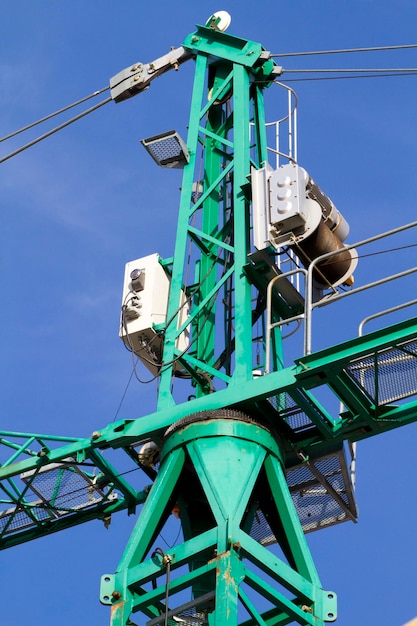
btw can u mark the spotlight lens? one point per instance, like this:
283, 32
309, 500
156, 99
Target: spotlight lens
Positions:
134, 274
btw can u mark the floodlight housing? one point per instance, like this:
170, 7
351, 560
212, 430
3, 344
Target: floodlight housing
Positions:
167, 150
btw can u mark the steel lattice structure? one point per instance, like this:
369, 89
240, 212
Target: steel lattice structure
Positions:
238, 455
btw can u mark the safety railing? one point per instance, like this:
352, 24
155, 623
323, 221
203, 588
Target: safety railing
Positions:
311, 303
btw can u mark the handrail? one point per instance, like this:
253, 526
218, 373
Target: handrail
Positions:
382, 313
309, 305
269, 324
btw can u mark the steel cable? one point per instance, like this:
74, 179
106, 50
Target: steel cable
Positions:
54, 130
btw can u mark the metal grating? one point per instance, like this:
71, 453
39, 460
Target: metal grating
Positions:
193, 613
389, 375
315, 505
64, 487
261, 530
52, 492
289, 411
19, 518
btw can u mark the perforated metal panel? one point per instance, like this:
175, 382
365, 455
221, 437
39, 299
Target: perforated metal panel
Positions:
64, 487
289, 411
193, 613
54, 491
315, 504
389, 375
19, 518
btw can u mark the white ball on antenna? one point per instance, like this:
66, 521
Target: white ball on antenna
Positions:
219, 20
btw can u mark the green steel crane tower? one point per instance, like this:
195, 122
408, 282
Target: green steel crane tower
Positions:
239, 447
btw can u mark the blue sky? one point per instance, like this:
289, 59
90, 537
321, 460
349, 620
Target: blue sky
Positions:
78, 206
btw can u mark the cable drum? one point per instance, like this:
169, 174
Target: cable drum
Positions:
333, 271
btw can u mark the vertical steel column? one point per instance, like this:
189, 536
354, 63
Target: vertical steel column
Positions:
241, 220
165, 398
224, 105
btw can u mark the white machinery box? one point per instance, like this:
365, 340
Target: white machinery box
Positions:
144, 307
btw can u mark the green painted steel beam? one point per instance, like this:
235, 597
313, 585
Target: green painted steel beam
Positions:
222, 45
156, 502
100, 512
181, 555
321, 363
227, 456
286, 611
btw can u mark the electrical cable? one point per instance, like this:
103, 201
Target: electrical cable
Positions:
55, 130
168, 580
125, 392
78, 490
130, 297
175, 540
383, 72
82, 489
208, 313
166, 561
299, 80
164, 365
372, 254
135, 353
345, 50
51, 115
412, 70
359, 256
279, 55
74, 493
387, 250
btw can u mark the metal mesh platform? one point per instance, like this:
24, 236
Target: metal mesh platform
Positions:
389, 375
193, 613
289, 411
64, 487
21, 517
50, 493
316, 506
313, 496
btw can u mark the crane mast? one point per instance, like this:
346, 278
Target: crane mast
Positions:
239, 447
214, 230
219, 466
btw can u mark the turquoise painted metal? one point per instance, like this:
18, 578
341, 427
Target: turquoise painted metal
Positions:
218, 468
216, 227
228, 438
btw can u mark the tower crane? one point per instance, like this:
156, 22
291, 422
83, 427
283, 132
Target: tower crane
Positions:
239, 447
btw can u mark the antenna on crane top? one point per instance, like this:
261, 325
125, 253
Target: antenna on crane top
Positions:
219, 21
